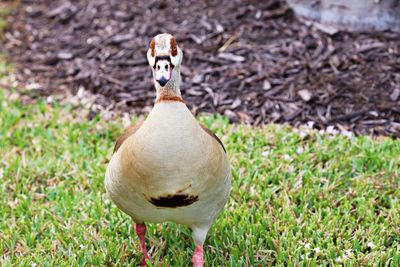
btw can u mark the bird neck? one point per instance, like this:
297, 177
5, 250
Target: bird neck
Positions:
171, 91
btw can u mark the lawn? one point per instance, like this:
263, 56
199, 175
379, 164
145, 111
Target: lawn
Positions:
299, 198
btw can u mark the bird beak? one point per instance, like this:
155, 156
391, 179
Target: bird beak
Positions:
163, 70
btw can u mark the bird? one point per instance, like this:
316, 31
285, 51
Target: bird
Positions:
169, 167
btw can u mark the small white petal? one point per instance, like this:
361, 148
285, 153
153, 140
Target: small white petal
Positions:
303, 134
265, 153
300, 150
253, 191
310, 124
371, 244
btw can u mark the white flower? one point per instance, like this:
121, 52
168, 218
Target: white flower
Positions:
303, 134
348, 134
331, 130
307, 245
287, 157
371, 245
339, 259
306, 257
349, 252
253, 191
265, 153
317, 250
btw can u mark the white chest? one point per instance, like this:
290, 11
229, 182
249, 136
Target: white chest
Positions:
169, 155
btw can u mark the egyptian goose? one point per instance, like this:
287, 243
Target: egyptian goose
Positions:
169, 167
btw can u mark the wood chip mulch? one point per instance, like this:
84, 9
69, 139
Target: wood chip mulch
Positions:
252, 61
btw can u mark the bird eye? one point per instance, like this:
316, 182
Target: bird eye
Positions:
158, 67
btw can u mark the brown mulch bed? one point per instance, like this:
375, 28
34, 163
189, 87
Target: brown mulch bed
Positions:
252, 61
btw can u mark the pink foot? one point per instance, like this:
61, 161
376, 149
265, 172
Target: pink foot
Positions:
140, 230
198, 260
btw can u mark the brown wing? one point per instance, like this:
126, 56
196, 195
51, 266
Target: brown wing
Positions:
131, 130
213, 136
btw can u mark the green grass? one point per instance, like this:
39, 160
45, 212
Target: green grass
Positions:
5, 10
296, 201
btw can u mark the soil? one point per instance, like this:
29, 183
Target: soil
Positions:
252, 61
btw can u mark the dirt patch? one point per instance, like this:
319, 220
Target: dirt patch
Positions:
250, 60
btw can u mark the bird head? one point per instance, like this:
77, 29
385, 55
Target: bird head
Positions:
165, 56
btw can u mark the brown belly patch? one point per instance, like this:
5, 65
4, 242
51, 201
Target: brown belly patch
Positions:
173, 201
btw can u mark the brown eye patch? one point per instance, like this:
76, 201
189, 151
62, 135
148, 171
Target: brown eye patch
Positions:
174, 50
152, 47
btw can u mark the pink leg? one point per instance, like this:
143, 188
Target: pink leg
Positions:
140, 229
198, 259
